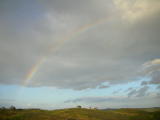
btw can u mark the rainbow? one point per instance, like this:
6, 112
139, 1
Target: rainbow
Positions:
59, 44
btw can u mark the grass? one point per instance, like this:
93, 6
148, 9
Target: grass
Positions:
80, 114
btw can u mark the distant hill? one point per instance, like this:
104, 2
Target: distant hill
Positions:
81, 114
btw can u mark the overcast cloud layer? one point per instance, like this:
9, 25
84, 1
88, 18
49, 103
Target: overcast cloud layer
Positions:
120, 50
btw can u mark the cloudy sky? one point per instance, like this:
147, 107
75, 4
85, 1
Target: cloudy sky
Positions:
94, 53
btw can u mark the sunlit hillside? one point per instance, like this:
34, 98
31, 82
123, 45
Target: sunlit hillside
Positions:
81, 114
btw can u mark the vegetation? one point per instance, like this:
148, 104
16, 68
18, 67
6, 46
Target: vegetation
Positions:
80, 114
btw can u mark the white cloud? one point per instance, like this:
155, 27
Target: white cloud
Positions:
133, 10
151, 63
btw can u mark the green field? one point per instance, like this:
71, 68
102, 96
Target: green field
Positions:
81, 114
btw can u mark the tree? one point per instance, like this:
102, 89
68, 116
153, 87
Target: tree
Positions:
12, 108
3, 108
79, 106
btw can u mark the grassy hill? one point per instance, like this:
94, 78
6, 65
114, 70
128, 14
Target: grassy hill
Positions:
81, 114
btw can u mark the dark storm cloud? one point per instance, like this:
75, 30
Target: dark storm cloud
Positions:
112, 52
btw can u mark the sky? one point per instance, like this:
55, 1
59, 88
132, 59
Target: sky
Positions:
58, 54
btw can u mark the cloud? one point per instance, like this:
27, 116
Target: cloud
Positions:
129, 89
103, 86
112, 52
131, 93
117, 91
7, 102
142, 91
151, 69
158, 87
94, 99
152, 62
90, 9
138, 93
116, 102
137, 9
155, 78
144, 83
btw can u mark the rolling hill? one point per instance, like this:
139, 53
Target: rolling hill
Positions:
81, 114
